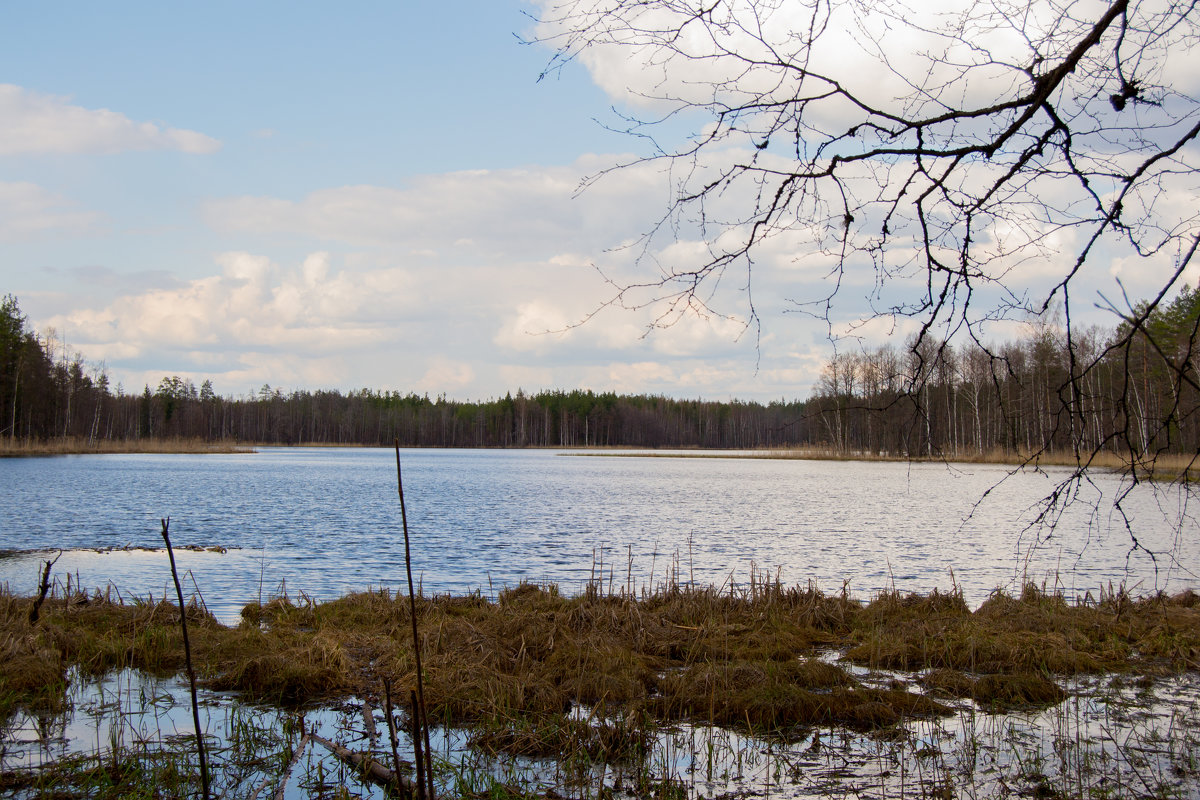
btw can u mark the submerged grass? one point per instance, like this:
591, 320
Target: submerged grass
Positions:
534, 673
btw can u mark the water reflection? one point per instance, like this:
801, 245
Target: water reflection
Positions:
326, 521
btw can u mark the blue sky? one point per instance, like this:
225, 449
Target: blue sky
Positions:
373, 194
116, 237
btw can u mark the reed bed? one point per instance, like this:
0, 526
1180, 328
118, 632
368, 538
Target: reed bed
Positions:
597, 678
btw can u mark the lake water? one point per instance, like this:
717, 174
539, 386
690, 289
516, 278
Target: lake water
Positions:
327, 521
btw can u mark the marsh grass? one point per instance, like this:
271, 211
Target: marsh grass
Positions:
596, 680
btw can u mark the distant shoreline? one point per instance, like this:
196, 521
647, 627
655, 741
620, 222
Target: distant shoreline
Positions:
1167, 467
72, 446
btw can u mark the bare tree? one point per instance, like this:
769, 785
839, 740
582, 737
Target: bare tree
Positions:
974, 163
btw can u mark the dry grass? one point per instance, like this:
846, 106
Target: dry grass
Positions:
72, 445
1036, 632
747, 660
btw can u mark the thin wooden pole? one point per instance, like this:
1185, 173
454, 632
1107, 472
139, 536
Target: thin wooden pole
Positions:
421, 723
417, 738
187, 655
391, 726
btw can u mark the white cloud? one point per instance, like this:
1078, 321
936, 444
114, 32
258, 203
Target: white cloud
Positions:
790, 375
253, 306
878, 53
508, 211
529, 378
874, 331
446, 375
27, 210
39, 124
535, 326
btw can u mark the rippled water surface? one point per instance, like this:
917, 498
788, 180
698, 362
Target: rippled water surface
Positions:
327, 521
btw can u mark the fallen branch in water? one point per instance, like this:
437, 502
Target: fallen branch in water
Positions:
367, 766
281, 789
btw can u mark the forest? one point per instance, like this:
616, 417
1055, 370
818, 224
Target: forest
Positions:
924, 398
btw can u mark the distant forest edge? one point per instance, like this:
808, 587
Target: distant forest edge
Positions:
928, 398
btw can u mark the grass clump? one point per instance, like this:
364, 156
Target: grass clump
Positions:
783, 698
557, 736
1035, 632
1017, 691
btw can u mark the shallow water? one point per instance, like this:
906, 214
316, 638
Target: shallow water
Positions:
1111, 738
326, 521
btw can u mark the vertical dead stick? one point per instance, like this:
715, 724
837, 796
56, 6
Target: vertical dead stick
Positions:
187, 657
391, 724
416, 737
420, 721
36, 609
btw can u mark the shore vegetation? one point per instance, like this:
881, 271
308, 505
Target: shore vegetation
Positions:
73, 445
608, 677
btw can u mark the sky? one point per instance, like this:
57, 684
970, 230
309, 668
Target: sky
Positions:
372, 194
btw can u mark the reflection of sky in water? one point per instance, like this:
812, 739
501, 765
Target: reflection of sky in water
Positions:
1105, 721
326, 521
136, 713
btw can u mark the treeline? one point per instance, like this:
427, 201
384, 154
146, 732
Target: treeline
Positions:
1132, 390
1134, 387
46, 394
545, 419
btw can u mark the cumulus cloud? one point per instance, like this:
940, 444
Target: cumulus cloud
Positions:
27, 210
252, 306
324, 322
40, 124
876, 53
508, 210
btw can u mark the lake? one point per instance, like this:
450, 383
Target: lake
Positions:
326, 521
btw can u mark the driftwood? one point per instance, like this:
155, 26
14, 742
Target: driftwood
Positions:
280, 790
368, 767
369, 723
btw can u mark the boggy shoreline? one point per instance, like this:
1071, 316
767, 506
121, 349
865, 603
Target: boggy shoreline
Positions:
597, 678
768, 657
